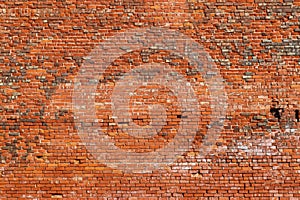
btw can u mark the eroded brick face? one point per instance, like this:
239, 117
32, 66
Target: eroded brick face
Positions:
255, 48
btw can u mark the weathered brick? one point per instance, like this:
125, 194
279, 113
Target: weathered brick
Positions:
254, 45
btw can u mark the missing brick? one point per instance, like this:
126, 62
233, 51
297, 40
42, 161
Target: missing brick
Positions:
297, 115
277, 112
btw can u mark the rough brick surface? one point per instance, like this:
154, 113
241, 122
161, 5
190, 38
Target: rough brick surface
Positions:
255, 45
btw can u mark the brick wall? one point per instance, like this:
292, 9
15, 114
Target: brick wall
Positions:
255, 47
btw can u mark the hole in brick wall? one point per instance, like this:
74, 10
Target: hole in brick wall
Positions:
277, 112
164, 134
297, 115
